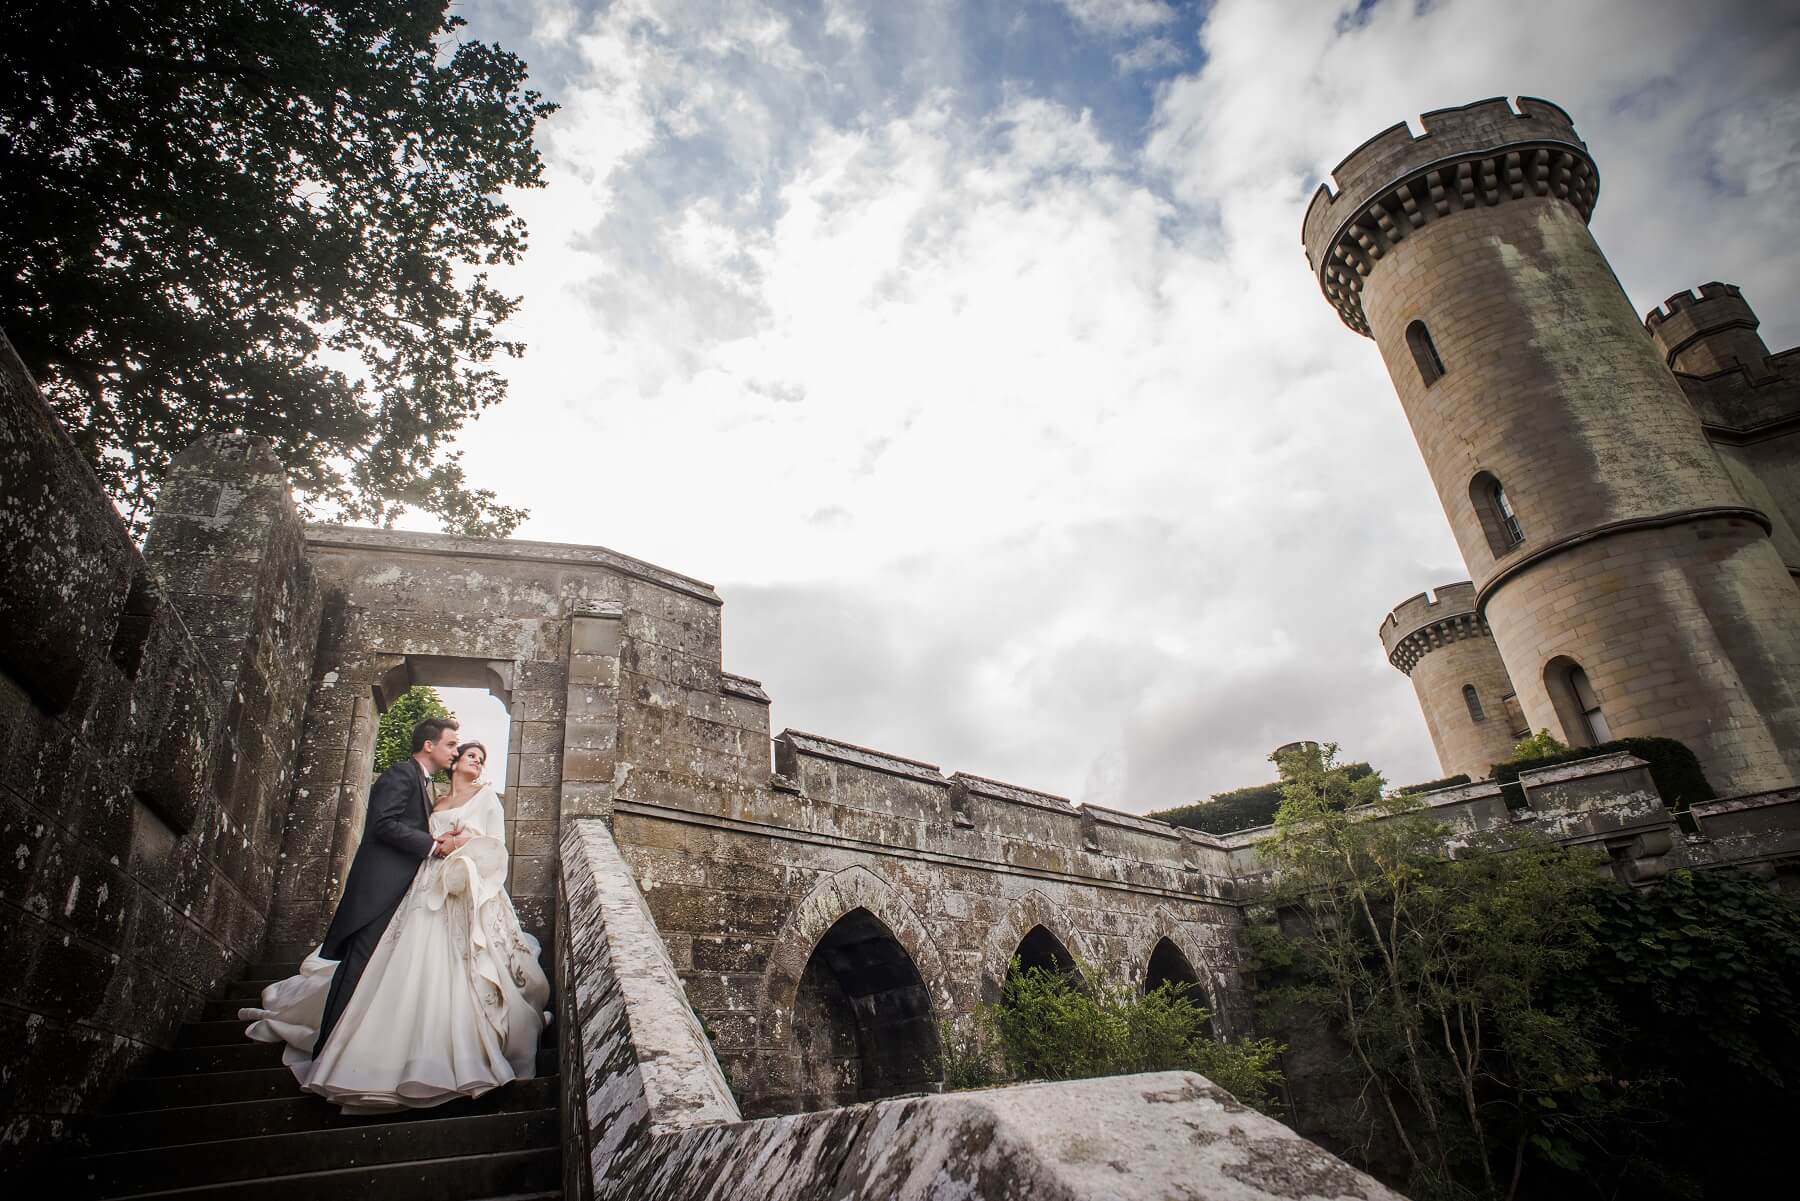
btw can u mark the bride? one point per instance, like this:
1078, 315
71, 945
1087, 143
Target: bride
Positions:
452, 1001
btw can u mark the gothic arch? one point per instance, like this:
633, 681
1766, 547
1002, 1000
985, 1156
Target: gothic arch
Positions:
1165, 923
831, 899
1032, 909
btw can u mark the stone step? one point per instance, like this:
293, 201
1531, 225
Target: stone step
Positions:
186, 1124
374, 1143
210, 1088
211, 1034
243, 1055
220, 1086
497, 1176
240, 1056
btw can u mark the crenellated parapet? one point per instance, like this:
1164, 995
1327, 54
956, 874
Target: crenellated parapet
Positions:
1421, 624
1709, 333
1480, 155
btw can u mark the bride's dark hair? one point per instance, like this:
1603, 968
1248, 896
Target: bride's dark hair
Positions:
464, 749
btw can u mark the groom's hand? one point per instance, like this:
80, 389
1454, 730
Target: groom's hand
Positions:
441, 846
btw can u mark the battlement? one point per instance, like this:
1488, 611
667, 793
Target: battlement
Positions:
1686, 301
1422, 623
1709, 333
1478, 155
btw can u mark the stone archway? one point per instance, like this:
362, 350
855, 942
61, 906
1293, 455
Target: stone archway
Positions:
863, 1022
1028, 913
854, 939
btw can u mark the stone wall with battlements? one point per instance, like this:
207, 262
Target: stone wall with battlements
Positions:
149, 705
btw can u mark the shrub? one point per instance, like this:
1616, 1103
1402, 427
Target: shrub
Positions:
1053, 1025
1432, 785
393, 735
1239, 809
1673, 767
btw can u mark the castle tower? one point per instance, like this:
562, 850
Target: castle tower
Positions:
1464, 691
1748, 400
1630, 588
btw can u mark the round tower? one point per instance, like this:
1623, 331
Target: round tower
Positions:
1464, 691
1629, 587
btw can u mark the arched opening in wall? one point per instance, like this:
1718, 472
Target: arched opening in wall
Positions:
1498, 520
1169, 966
1576, 703
863, 1021
478, 692
1424, 352
1472, 699
1042, 949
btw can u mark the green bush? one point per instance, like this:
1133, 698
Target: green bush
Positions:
1052, 1025
1432, 785
1673, 767
1239, 809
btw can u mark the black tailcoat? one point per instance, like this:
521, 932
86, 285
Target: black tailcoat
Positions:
396, 838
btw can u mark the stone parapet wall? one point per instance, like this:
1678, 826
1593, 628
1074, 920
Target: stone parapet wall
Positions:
143, 763
649, 1117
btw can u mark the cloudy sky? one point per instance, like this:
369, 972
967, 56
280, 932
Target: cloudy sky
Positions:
971, 352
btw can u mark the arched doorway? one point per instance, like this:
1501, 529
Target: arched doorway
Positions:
1042, 949
862, 1018
1169, 966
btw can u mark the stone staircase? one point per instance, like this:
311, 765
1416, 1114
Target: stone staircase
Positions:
218, 1116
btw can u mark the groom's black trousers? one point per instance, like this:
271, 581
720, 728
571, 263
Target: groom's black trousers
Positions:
357, 949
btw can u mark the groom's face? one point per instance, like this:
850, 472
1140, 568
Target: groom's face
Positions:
443, 750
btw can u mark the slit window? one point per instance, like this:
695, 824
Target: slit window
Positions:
1472, 699
1424, 352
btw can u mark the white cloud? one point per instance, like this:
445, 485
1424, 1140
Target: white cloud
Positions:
1116, 18
1031, 450
1147, 55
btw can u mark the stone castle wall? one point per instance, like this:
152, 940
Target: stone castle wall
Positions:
148, 711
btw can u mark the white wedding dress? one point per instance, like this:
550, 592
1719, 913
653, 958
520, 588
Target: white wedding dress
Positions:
452, 1001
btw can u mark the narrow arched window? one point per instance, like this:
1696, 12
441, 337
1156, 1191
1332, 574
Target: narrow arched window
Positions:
1576, 703
1424, 352
1498, 520
1472, 699
1591, 718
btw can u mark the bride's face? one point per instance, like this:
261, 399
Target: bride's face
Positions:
471, 764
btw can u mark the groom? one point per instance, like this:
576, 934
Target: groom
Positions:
396, 838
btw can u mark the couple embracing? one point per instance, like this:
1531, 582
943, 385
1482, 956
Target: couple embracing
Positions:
426, 988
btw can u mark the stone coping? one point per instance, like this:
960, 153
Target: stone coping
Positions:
653, 1120
350, 537
742, 686
996, 790
1746, 802
1578, 769
820, 747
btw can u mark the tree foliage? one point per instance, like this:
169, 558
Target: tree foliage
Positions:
1054, 1025
1436, 974
393, 735
1513, 1022
270, 216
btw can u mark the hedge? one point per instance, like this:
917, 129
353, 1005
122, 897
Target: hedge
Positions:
1673, 768
1432, 785
1239, 809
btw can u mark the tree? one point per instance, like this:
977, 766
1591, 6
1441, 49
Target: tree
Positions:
270, 216
393, 736
1438, 975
